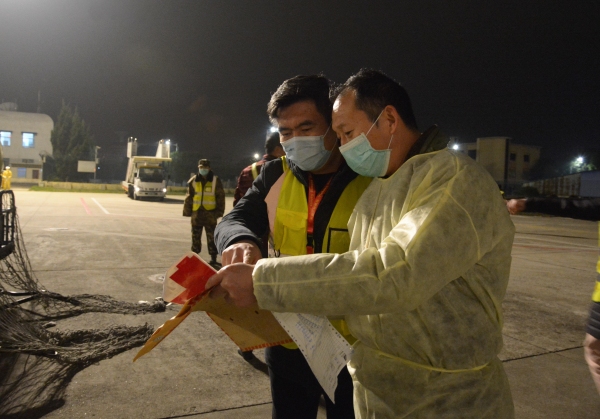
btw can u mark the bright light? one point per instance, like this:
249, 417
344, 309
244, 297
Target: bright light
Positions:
579, 160
168, 141
455, 147
273, 129
256, 156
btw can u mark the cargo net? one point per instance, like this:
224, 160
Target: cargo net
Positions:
28, 310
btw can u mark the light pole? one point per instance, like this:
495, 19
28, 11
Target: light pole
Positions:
43, 157
96, 160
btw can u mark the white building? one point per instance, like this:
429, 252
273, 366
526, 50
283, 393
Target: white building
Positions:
508, 163
25, 139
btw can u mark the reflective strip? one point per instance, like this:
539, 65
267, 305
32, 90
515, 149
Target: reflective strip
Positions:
596, 294
429, 367
254, 170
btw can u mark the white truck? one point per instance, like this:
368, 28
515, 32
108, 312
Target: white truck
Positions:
146, 176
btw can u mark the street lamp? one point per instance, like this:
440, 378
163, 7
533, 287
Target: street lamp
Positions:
256, 156
577, 164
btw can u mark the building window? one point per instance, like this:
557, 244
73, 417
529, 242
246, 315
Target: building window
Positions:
513, 156
21, 172
28, 140
35, 174
526, 158
27, 161
472, 154
5, 138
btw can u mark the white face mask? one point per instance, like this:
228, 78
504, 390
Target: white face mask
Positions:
363, 158
307, 152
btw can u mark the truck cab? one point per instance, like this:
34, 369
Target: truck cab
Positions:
146, 175
149, 181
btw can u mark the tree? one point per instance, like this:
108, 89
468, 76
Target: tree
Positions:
71, 141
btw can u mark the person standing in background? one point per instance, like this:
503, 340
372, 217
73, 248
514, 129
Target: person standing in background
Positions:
6, 177
205, 204
273, 150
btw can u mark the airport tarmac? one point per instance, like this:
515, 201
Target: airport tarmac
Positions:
109, 244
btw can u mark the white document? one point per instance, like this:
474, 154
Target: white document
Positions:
325, 350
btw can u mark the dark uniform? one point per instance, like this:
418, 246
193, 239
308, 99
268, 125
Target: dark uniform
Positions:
205, 204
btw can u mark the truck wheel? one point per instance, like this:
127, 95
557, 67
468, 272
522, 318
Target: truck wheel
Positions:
130, 192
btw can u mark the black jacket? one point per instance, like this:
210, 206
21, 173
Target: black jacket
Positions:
249, 220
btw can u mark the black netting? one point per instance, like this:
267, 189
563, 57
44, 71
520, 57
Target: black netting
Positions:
52, 356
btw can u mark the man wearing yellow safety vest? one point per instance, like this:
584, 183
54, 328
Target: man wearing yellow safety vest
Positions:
304, 200
273, 150
205, 203
422, 285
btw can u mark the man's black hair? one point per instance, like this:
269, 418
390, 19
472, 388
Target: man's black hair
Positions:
300, 88
374, 91
272, 142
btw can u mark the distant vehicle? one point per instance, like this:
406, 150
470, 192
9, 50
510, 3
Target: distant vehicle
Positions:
146, 176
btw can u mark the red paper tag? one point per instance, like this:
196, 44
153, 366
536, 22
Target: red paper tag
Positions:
191, 272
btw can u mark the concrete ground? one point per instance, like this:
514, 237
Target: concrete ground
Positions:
108, 244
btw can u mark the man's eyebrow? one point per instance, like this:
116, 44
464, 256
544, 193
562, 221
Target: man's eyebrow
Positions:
305, 124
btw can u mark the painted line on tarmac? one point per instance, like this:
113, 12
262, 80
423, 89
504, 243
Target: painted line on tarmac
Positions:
101, 207
85, 207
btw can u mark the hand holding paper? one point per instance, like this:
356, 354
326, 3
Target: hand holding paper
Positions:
187, 282
234, 282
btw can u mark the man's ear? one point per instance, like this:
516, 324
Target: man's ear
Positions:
391, 119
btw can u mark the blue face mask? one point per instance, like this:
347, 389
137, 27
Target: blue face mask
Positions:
364, 159
308, 152
203, 172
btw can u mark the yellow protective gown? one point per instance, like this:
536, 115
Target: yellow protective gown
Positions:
421, 289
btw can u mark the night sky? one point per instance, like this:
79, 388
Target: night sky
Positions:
201, 72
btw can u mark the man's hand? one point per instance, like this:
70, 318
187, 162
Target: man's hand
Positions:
591, 348
235, 283
245, 251
516, 206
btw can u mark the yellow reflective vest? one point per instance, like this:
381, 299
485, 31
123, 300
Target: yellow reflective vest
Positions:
596, 294
205, 196
289, 226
